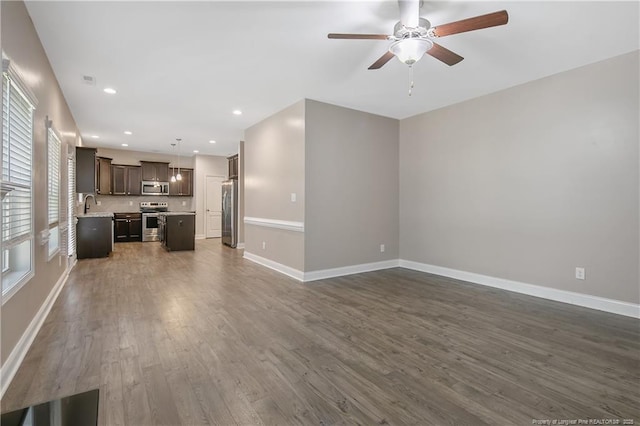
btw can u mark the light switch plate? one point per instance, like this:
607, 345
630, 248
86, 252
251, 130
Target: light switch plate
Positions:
294, 197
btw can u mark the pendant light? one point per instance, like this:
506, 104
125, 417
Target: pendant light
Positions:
179, 176
173, 177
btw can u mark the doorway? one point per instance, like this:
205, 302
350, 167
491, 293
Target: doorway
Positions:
213, 206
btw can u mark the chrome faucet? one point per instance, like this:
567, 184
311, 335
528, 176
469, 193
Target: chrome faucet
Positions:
86, 197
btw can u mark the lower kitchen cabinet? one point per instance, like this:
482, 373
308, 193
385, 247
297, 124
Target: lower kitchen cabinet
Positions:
127, 227
94, 237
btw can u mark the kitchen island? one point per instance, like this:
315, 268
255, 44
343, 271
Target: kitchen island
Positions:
177, 230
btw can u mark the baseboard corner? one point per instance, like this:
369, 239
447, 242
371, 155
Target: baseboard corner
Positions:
271, 264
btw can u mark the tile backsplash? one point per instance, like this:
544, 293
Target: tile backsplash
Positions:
128, 204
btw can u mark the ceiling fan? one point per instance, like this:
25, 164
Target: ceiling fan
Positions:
413, 36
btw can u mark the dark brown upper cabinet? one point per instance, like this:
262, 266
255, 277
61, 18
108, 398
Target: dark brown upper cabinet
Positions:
233, 166
85, 170
103, 176
155, 171
182, 187
126, 180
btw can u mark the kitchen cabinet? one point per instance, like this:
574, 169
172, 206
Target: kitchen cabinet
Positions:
127, 227
134, 180
233, 166
94, 237
126, 180
85, 170
103, 176
177, 231
93, 174
182, 187
155, 171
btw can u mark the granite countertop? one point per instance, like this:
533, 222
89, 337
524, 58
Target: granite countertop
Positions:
96, 214
177, 213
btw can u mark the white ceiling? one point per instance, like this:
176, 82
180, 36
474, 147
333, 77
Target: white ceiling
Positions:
181, 68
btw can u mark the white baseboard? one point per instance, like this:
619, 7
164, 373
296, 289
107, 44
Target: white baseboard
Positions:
240, 246
200, 237
283, 269
348, 270
594, 302
15, 358
320, 274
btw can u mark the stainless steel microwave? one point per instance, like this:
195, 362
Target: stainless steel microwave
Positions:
155, 188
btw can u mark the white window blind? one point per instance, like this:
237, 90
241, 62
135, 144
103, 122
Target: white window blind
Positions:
71, 193
17, 146
53, 190
54, 178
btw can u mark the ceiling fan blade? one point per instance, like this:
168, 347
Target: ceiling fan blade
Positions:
383, 60
359, 36
445, 55
471, 24
409, 12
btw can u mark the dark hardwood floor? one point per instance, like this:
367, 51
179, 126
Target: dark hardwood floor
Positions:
206, 337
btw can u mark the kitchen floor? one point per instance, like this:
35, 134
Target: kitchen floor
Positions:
205, 337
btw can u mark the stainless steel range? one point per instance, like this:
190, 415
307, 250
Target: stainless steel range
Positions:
150, 210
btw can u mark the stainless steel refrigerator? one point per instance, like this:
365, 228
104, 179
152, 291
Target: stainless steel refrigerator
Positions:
230, 212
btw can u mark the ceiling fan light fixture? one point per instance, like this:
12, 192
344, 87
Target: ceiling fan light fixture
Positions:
410, 50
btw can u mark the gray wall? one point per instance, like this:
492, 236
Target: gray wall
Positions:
530, 182
351, 187
274, 167
22, 46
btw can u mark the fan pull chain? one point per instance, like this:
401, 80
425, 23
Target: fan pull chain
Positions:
410, 80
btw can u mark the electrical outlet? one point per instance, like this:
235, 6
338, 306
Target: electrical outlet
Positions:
264, 245
294, 197
580, 273
381, 248
130, 203
98, 203
184, 203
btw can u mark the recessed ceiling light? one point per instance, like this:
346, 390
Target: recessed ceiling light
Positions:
109, 90
125, 144
237, 112
95, 136
212, 141
196, 151
127, 132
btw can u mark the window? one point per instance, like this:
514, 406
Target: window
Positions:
53, 190
17, 201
